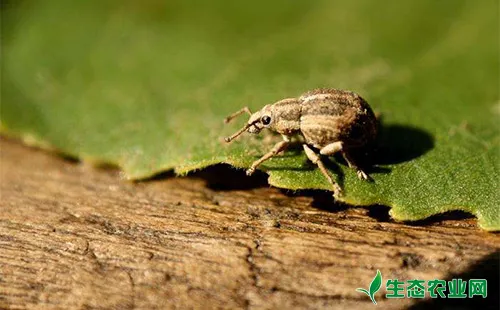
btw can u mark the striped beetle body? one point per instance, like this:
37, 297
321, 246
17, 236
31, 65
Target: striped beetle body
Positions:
330, 121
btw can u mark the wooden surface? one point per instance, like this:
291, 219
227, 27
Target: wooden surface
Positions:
77, 237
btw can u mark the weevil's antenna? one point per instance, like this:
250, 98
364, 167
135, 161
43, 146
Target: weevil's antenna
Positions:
242, 130
236, 114
239, 132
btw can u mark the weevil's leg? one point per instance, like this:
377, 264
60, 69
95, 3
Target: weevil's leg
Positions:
338, 146
331, 148
317, 161
278, 147
361, 174
238, 113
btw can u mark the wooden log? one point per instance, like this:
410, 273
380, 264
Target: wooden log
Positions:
77, 237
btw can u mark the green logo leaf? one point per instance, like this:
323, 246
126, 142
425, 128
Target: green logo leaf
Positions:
374, 287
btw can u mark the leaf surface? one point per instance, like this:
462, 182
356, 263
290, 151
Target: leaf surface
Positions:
146, 87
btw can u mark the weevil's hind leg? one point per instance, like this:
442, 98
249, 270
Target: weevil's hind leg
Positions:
278, 147
361, 174
332, 148
338, 146
337, 191
236, 114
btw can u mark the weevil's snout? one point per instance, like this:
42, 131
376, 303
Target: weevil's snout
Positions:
252, 126
255, 128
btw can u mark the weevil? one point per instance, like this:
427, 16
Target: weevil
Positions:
329, 120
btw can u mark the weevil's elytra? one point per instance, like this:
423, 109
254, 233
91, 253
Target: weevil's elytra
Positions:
330, 121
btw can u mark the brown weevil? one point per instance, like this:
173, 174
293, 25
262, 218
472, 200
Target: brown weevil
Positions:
329, 120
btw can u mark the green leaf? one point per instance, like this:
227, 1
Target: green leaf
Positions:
375, 285
362, 290
146, 87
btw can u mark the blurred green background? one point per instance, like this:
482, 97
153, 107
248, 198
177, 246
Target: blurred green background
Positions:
145, 86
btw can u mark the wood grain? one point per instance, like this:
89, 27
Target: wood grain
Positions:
77, 237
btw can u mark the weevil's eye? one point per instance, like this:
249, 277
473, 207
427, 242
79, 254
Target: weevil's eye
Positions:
266, 120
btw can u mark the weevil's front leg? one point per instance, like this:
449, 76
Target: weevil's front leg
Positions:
337, 191
278, 147
338, 146
238, 113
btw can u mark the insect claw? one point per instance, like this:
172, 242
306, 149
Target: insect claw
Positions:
363, 176
337, 191
250, 171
